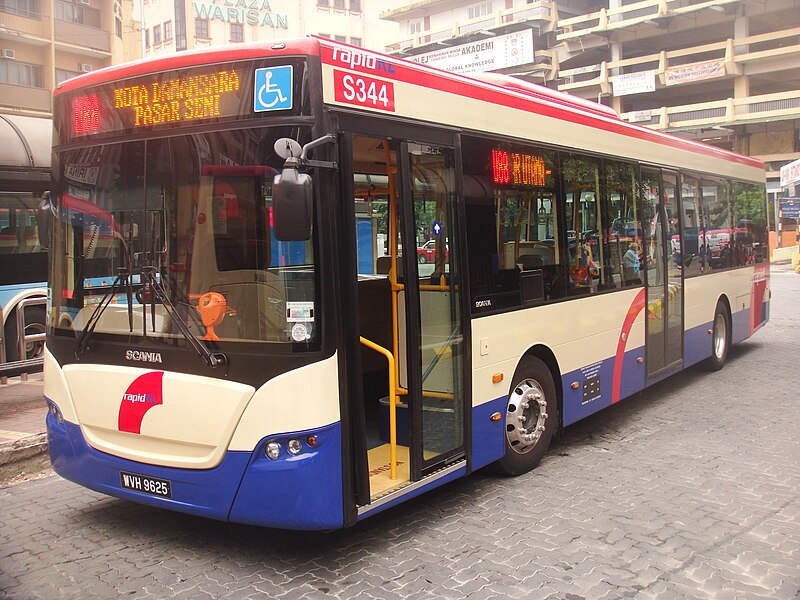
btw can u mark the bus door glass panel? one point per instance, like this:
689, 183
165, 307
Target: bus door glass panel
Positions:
655, 269
381, 318
664, 281
674, 291
441, 339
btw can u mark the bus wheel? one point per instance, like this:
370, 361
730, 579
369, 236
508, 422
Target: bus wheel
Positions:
531, 417
720, 339
34, 323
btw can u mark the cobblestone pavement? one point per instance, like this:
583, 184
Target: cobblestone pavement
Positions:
689, 490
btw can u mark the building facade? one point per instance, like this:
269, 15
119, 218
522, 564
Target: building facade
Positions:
726, 72
176, 25
44, 42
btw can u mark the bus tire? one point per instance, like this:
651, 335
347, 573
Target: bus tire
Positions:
720, 338
421, 259
34, 323
531, 417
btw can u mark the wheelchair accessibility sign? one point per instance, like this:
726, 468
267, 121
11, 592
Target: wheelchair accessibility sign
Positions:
273, 89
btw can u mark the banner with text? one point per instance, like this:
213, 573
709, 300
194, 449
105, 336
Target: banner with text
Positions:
486, 55
695, 72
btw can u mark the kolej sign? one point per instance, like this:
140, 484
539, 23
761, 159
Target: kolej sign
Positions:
247, 12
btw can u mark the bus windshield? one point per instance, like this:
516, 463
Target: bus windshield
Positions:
193, 215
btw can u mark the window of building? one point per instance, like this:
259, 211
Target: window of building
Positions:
237, 32
338, 4
414, 27
23, 8
156, 34
340, 38
167, 31
355, 5
327, 36
354, 41
201, 28
20, 73
325, 3
62, 75
479, 10
147, 38
77, 13
118, 27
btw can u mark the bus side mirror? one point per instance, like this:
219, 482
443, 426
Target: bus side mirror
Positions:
44, 220
292, 192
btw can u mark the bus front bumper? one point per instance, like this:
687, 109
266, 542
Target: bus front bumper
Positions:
301, 491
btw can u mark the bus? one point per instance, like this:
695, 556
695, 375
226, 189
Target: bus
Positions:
265, 346
24, 178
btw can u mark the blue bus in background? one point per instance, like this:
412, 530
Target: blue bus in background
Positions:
24, 178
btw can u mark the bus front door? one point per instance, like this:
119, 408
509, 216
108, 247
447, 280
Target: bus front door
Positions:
409, 312
664, 336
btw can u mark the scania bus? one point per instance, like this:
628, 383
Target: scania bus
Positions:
266, 347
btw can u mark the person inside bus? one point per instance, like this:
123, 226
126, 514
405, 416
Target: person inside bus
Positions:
631, 265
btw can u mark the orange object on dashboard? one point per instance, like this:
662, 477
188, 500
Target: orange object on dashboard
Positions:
212, 307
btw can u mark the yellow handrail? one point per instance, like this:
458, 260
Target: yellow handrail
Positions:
392, 404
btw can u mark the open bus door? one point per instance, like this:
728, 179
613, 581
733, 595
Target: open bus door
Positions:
410, 317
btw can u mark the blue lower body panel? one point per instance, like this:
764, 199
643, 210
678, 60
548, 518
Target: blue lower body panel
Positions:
297, 492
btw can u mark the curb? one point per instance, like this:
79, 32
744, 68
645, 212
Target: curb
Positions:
27, 456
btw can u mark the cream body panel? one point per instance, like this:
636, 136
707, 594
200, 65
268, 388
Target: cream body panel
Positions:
580, 332
56, 388
302, 399
702, 294
190, 429
432, 105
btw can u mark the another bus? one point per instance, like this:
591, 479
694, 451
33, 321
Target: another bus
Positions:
24, 178
267, 348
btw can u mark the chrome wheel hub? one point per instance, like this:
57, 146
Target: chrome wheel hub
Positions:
720, 335
525, 415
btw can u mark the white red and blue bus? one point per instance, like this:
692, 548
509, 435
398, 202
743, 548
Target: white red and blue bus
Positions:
24, 178
264, 350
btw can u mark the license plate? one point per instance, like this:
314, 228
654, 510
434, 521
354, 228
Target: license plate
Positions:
145, 484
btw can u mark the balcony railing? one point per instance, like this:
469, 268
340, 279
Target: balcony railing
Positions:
775, 46
25, 98
652, 12
36, 25
540, 12
731, 111
78, 35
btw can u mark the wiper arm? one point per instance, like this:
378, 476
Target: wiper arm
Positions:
81, 343
213, 359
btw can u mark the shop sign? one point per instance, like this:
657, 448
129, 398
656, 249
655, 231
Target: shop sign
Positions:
246, 12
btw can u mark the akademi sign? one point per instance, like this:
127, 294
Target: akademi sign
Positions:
485, 55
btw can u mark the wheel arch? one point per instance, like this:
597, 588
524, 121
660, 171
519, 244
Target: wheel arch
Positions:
723, 299
548, 357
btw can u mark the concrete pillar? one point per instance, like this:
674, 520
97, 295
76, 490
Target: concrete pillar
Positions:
741, 29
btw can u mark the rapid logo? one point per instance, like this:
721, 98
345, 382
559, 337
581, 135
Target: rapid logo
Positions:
143, 394
273, 89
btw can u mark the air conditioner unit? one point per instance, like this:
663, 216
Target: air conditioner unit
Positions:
86, 68
9, 53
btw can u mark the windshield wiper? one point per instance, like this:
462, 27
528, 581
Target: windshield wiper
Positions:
82, 342
213, 359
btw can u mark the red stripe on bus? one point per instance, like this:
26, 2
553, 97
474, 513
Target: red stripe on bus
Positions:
635, 308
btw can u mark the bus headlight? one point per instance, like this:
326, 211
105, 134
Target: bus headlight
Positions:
294, 447
273, 450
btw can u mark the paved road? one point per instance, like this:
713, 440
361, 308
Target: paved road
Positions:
686, 491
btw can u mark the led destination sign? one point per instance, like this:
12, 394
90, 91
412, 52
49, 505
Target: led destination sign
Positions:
183, 99
518, 169
207, 94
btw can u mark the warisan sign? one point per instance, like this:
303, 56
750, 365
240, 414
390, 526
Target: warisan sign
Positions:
247, 12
